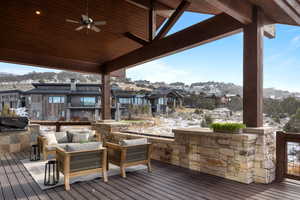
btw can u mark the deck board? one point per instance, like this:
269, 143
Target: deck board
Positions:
165, 182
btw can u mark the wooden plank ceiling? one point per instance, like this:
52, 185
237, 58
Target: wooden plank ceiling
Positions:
46, 40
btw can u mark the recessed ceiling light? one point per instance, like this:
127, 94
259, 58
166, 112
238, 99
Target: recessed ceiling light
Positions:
37, 12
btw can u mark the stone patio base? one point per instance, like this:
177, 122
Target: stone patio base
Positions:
17, 141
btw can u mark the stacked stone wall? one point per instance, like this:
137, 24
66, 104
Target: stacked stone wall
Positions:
247, 157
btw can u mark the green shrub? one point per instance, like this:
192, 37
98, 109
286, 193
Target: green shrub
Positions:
228, 127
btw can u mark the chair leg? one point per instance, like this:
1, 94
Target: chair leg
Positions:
123, 171
149, 166
67, 182
104, 173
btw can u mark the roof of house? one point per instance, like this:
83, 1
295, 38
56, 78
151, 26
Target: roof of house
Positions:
164, 92
62, 92
10, 91
65, 89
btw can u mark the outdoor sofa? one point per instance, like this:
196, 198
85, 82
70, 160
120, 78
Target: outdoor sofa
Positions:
48, 141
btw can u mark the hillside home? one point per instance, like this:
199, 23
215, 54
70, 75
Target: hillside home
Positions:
64, 101
163, 99
12, 98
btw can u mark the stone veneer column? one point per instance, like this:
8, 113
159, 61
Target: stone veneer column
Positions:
265, 154
34, 132
106, 127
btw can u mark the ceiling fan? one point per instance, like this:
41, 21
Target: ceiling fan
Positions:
87, 22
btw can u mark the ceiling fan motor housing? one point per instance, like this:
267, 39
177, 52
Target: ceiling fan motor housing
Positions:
89, 21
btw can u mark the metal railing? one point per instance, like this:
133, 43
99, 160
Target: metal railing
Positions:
287, 156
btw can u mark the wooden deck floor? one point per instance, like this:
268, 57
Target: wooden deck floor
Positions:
166, 182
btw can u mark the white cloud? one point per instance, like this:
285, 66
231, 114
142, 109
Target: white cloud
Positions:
295, 42
21, 69
157, 71
296, 39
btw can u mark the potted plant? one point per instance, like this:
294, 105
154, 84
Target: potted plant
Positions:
227, 127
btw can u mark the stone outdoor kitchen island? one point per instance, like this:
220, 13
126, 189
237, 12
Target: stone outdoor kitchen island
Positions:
247, 157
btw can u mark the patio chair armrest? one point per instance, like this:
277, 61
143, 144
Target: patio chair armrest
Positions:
85, 151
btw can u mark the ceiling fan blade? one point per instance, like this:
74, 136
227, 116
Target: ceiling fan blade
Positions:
95, 28
79, 28
85, 18
72, 21
100, 23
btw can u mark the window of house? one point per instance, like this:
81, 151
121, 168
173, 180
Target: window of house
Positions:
138, 100
124, 100
56, 99
161, 101
87, 101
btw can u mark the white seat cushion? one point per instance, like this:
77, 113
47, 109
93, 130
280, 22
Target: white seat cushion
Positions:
134, 142
83, 147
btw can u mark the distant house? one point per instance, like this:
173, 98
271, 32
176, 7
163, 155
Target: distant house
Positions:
163, 99
64, 101
127, 97
12, 98
77, 101
222, 100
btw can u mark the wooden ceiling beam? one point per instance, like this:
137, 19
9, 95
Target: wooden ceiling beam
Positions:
38, 60
151, 21
173, 19
206, 31
289, 7
161, 9
241, 10
136, 38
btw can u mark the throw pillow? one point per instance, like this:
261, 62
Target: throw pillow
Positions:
51, 139
45, 132
80, 137
61, 137
91, 133
134, 142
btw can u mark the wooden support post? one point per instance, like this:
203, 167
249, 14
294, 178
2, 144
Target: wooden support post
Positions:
281, 155
105, 97
253, 71
151, 21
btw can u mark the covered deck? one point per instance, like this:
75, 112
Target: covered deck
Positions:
165, 182
36, 34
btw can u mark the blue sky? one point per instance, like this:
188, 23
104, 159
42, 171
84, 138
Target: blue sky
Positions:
220, 60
